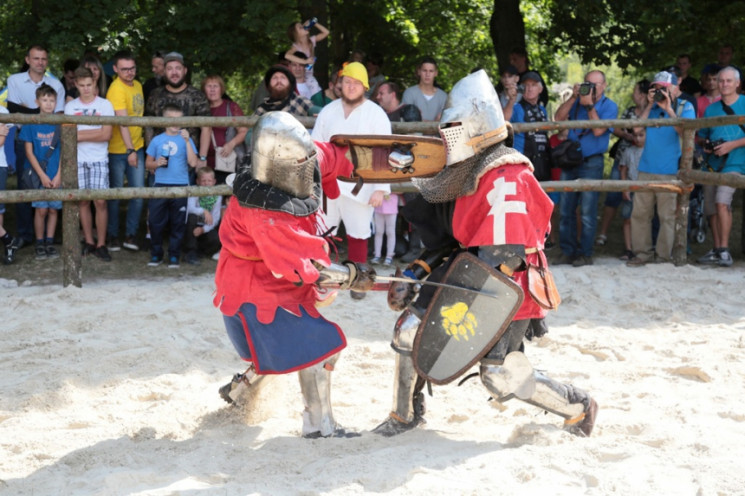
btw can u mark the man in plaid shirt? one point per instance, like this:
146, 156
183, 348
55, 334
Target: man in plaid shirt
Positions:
281, 85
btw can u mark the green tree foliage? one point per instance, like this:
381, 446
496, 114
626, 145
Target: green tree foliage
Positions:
226, 37
240, 38
637, 34
243, 37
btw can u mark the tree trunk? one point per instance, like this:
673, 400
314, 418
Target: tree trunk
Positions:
507, 30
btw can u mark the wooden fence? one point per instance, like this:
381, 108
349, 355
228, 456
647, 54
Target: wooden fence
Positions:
69, 194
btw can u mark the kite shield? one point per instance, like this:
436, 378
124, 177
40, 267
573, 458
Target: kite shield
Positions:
459, 327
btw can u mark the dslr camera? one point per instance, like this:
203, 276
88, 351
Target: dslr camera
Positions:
710, 145
586, 88
659, 95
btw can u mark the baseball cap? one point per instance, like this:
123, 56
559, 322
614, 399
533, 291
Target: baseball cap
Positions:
532, 75
357, 71
665, 78
171, 56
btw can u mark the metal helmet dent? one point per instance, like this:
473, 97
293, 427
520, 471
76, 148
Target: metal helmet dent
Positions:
472, 119
283, 155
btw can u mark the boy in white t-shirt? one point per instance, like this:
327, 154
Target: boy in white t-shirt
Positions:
93, 160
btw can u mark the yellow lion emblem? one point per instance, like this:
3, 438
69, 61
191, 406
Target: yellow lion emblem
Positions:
458, 321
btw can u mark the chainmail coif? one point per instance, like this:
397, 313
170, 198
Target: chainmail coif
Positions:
462, 179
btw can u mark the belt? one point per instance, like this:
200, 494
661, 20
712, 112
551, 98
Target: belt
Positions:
242, 257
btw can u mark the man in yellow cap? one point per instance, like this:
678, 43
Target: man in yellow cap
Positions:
353, 114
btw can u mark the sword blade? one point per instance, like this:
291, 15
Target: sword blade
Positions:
432, 283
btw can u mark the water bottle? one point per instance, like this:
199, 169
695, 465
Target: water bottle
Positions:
310, 23
165, 152
309, 67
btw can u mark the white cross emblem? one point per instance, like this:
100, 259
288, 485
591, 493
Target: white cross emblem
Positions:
500, 207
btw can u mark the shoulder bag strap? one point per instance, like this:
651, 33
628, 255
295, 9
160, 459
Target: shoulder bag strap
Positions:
728, 110
52, 147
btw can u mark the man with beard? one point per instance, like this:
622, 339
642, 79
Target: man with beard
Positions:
191, 100
281, 84
353, 114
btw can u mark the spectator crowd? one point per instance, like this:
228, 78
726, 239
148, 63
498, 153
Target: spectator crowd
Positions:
358, 99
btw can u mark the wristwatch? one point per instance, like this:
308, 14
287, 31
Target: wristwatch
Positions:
130, 151
203, 158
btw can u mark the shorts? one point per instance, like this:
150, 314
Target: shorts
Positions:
627, 206
725, 193
93, 175
54, 205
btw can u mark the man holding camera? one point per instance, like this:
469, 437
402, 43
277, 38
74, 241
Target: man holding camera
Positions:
659, 161
588, 102
726, 148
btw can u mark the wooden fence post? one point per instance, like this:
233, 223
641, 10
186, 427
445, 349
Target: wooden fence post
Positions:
72, 266
680, 243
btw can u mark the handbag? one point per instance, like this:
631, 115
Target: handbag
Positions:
224, 164
30, 179
228, 164
567, 155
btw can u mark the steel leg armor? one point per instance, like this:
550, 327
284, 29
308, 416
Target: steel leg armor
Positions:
408, 399
515, 377
315, 385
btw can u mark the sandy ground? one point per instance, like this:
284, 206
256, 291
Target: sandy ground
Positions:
112, 389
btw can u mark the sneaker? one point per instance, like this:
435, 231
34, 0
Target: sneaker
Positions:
626, 255
725, 258
375, 260
636, 262
388, 261
114, 244
130, 244
155, 261
51, 251
581, 261
564, 259
192, 258
173, 263
88, 249
41, 252
20, 243
710, 257
602, 240
10, 251
103, 253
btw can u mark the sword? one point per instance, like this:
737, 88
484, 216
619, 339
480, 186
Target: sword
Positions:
428, 283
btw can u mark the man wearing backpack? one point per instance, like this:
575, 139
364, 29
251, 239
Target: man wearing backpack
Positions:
533, 144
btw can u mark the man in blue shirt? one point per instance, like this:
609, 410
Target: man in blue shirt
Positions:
659, 161
587, 102
727, 157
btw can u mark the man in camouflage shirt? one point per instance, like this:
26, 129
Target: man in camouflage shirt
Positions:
191, 100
